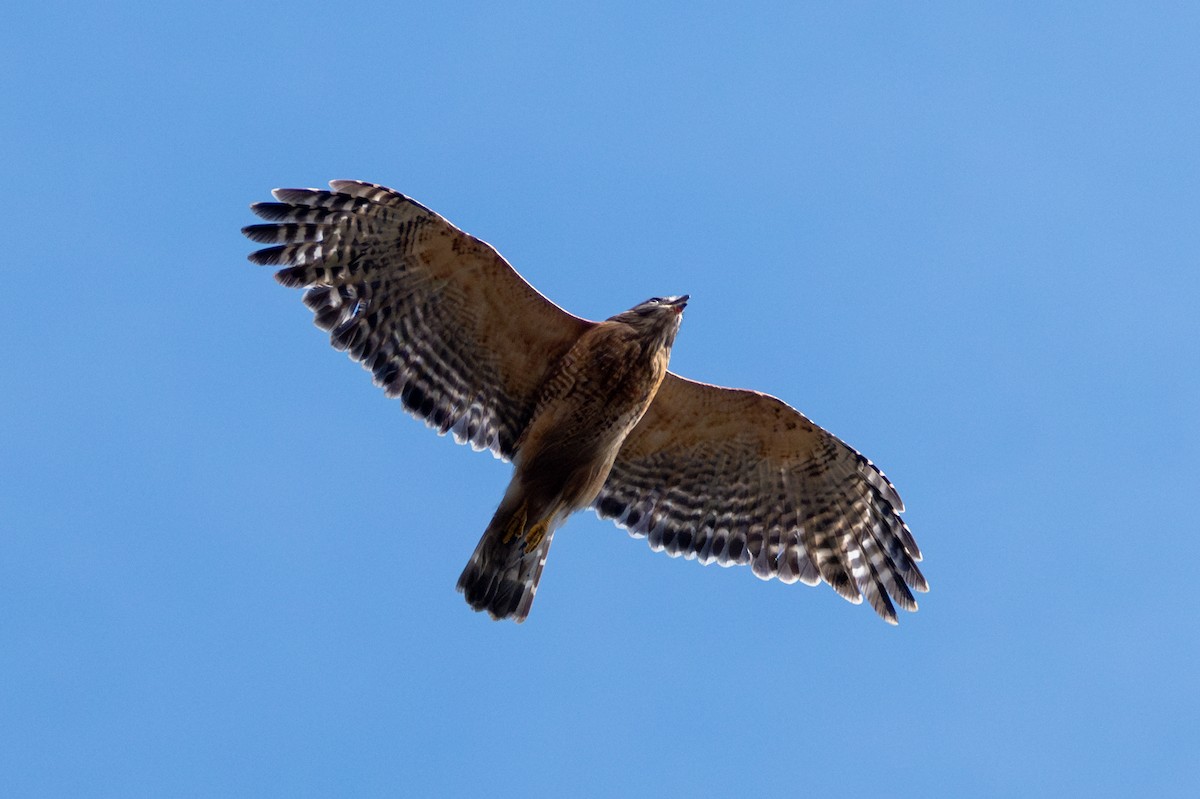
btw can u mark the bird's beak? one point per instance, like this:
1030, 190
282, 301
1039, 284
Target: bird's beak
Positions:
679, 303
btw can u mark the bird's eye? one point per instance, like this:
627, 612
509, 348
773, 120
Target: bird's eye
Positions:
654, 300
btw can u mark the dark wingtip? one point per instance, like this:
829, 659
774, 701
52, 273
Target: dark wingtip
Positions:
293, 277
268, 256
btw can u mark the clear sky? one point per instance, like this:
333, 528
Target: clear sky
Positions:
964, 237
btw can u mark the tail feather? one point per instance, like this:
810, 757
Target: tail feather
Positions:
502, 576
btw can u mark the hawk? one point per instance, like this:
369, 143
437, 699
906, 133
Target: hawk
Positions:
586, 411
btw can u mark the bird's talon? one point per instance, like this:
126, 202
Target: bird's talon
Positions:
535, 536
515, 524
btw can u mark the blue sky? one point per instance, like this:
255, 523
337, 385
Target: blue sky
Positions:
961, 236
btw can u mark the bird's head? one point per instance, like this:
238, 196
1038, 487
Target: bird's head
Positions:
657, 317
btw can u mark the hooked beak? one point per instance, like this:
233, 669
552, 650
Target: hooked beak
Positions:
679, 303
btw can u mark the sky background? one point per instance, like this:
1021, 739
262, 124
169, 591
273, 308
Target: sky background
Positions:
963, 237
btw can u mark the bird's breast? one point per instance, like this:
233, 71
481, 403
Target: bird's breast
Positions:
589, 404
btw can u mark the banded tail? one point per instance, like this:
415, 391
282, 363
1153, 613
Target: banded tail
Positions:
502, 575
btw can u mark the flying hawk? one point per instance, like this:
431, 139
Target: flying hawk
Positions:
586, 411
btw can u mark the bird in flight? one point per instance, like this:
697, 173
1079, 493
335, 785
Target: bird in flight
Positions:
586, 411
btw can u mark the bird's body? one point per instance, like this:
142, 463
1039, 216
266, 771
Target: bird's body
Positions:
589, 403
587, 412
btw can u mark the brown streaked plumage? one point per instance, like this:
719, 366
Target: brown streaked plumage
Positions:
586, 411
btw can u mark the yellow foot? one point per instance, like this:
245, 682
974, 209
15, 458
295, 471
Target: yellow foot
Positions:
516, 524
536, 534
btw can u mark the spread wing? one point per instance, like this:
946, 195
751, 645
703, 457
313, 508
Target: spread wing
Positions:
739, 477
436, 315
